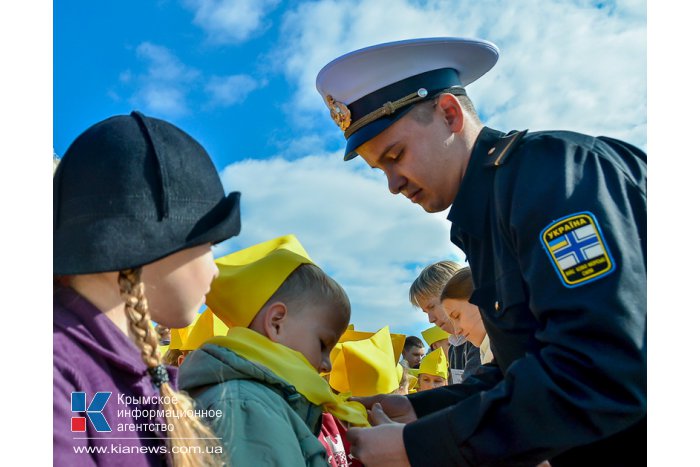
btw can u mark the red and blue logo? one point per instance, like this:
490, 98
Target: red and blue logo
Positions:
94, 411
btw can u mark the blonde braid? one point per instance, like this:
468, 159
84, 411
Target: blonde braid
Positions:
195, 442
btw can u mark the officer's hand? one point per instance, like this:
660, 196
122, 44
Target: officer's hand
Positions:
379, 446
395, 406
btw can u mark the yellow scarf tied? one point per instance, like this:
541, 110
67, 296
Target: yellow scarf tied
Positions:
295, 369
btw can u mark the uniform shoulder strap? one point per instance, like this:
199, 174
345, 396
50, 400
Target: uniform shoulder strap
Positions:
499, 153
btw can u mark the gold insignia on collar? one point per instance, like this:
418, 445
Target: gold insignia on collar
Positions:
339, 113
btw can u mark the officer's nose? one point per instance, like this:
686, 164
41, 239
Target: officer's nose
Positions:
396, 182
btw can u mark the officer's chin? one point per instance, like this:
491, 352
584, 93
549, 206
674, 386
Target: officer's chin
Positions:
432, 208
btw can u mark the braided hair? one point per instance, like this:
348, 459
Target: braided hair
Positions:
201, 442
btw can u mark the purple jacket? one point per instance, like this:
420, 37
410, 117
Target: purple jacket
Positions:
92, 355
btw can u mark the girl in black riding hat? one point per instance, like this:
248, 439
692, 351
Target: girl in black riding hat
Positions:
137, 206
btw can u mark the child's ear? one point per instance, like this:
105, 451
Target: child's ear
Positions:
274, 320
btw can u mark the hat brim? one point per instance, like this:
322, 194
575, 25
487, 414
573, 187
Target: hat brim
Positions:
130, 234
371, 130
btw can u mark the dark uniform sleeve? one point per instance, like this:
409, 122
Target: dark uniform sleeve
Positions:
426, 402
584, 376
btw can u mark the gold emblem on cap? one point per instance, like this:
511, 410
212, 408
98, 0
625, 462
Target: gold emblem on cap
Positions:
339, 113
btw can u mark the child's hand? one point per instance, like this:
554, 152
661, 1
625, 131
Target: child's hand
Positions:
396, 407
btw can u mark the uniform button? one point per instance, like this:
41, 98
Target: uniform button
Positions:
491, 151
497, 306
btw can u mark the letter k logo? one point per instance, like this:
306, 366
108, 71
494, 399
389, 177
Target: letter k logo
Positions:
94, 411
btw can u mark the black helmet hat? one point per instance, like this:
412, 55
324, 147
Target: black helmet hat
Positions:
131, 190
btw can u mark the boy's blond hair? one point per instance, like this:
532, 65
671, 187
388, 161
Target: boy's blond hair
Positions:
431, 280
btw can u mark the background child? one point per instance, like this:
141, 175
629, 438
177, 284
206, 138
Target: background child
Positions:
174, 352
467, 318
365, 367
424, 293
137, 206
433, 370
363, 364
285, 316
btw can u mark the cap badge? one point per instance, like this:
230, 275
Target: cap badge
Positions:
339, 113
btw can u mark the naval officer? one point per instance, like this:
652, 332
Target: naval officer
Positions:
553, 225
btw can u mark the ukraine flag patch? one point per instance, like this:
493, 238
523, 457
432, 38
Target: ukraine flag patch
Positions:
577, 249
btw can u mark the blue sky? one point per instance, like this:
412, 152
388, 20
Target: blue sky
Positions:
239, 76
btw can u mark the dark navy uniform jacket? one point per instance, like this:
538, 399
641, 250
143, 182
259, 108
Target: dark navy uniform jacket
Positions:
553, 225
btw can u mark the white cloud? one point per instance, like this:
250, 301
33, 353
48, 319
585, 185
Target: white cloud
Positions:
578, 65
162, 89
302, 145
162, 100
374, 245
230, 21
163, 65
167, 86
228, 90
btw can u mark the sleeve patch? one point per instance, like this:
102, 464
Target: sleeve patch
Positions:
577, 249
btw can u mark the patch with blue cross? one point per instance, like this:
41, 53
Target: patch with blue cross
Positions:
577, 249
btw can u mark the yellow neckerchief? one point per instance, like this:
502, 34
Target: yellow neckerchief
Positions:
295, 369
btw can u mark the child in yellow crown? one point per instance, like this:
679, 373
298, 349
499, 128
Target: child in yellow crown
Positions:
435, 337
433, 370
285, 315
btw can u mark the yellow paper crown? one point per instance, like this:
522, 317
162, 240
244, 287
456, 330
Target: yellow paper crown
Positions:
397, 340
248, 278
399, 372
412, 383
206, 327
178, 336
434, 334
365, 367
413, 372
435, 363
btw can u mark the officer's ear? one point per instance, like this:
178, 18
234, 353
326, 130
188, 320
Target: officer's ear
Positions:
451, 111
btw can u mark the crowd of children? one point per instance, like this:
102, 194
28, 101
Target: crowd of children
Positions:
266, 373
